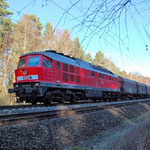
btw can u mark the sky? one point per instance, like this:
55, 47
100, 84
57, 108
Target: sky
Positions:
124, 43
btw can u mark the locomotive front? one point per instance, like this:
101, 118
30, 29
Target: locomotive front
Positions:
28, 76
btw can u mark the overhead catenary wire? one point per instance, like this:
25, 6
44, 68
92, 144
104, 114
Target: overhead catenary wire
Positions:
91, 30
99, 35
136, 26
138, 29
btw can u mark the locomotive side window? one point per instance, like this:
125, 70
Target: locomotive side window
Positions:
103, 76
92, 73
34, 61
58, 65
65, 67
22, 63
100, 75
47, 63
109, 78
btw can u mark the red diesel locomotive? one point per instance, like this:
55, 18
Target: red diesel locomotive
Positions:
53, 77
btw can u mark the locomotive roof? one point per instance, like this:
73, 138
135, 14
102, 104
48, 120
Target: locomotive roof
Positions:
71, 61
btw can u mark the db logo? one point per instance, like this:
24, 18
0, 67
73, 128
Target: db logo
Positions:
24, 72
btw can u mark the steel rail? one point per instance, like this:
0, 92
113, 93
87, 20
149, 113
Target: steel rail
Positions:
42, 105
55, 104
20, 106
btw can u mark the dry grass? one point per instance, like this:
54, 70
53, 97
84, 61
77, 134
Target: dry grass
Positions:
131, 134
4, 100
135, 138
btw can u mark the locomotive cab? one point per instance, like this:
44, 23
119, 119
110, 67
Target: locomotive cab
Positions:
28, 69
29, 74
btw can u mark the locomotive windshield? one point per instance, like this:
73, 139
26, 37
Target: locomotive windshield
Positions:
22, 63
34, 61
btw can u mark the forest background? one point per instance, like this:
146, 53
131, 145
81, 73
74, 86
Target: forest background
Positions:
28, 35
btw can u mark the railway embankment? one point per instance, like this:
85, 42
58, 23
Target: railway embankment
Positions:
126, 127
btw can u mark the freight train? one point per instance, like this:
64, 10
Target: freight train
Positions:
48, 77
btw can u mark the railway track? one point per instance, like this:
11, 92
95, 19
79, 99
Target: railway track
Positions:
41, 105
25, 117
20, 106
9, 107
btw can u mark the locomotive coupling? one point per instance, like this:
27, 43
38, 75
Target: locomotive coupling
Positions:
11, 91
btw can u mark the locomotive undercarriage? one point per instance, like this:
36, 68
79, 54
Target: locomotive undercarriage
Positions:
72, 96
62, 96
28, 92
33, 93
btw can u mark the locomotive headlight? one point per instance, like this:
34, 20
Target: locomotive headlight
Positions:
37, 84
16, 85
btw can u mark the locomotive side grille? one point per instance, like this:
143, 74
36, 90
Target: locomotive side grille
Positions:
65, 77
65, 67
78, 79
78, 70
72, 69
72, 78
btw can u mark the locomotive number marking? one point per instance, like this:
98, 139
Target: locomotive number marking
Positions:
20, 78
30, 77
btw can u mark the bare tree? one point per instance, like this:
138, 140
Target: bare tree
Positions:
105, 18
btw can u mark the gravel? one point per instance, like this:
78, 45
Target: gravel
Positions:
86, 131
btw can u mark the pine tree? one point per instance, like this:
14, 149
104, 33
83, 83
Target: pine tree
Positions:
27, 35
99, 59
65, 44
49, 37
88, 58
5, 21
5, 45
78, 51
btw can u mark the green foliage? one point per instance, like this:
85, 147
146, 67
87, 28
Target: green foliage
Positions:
88, 58
49, 37
48, 30
36, 22
27, 35
64, 43
99, 59
5, 21
5, 45
78, 51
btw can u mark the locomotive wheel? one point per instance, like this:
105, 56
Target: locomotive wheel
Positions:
34, 102
61, 100
46, 103
47, 100
73, 99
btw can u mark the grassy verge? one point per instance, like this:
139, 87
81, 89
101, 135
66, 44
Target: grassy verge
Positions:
133, 134
7, 100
